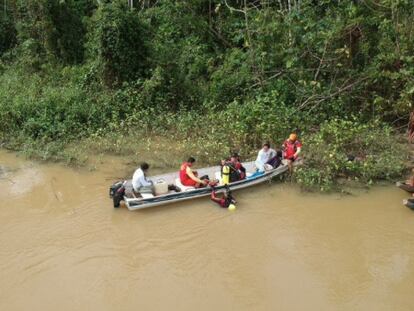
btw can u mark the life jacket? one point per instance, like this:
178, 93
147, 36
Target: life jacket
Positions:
183, 173
291, 148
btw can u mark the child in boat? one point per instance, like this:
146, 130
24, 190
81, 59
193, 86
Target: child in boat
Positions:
223, 201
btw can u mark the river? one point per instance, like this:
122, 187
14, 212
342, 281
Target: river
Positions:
63, 247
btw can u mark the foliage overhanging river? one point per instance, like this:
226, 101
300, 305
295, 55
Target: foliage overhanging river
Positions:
63, 247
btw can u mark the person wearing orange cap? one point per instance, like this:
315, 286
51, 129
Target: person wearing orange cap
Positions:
291, 149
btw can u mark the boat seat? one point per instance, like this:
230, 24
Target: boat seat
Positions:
181, 186
147, 195
143, 195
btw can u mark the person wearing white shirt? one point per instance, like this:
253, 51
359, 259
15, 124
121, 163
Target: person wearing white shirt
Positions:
266, 154
140, 183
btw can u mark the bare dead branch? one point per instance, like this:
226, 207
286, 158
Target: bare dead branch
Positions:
233, 9
321, 98
321, 61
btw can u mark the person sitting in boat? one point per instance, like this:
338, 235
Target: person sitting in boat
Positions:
188, 177
291, 149
238, 166
265, 157
229, 172
140, 182
225, 201
235, 170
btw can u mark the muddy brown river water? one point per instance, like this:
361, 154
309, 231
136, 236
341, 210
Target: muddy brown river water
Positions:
63, 247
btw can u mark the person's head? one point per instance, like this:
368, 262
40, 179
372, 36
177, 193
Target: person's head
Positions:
234, 157
190, 161
144, 166
266, 147
229, 197
293, 137
224, 161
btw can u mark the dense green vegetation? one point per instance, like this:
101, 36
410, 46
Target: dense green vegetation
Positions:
211, 76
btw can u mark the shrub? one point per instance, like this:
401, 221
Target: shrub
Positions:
350, 149
8, 34
119, 43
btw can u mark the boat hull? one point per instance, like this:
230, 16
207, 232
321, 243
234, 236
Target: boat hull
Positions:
404, 186
409, 203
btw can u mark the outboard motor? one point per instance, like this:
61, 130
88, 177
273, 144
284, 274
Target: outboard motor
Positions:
114, 188
116, 192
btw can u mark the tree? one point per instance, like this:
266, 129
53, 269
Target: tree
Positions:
8, 34
120, 43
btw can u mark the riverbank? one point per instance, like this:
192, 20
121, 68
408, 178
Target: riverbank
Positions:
68, 123
339, 153
59, 114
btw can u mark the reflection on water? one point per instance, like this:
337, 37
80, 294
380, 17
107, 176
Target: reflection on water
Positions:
63, 247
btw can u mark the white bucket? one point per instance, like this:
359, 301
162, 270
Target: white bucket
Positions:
160, 187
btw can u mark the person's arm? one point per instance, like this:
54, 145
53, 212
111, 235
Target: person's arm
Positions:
298, 149
192, 176
144, 181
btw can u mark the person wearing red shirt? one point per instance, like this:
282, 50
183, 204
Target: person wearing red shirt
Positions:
188, 177
291, 149
223, 201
